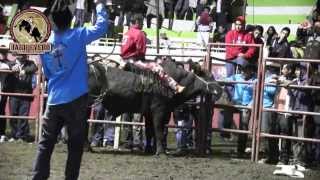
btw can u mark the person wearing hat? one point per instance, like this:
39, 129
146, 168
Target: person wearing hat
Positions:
66, 70
238, 54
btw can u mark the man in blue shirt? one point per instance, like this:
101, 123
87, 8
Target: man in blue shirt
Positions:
242, 95
66, 69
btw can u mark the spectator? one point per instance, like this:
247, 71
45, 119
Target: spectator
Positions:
3, 99
238, 54
103, 134
303, 32
169, 12
219, 34
301, 100
269, 119
312, 47
280, 47
284, 122
258, 39
80, 13
183, 9
222, 14
204, 27
134, 134
21, 80
165, 42
315, 94
3, 23
152, 12
243, 95
67, 101
270, 35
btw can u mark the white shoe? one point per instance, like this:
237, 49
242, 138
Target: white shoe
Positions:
12, 140
3, 139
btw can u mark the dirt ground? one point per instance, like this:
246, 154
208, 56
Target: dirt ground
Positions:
106, 164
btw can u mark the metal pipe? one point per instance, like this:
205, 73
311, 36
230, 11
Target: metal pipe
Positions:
116, 123
17, 94
157, 31
294, 86
290, 137
293, 60
292, 112
259, 104
18, 117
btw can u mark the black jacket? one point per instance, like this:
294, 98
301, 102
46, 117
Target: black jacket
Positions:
23, 84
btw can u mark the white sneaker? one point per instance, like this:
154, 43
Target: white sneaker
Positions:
3, 139
12, 140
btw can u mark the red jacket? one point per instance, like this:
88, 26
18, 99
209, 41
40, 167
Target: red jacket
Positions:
239, 37
133, 44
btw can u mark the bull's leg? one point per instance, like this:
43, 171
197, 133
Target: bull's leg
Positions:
158, 123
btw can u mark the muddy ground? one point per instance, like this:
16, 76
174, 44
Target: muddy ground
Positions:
106, 164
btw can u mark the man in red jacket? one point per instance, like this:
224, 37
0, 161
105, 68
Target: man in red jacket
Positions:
133, 50
238, 54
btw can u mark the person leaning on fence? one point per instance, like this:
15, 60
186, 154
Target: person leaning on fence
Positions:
269, 119
315, 81
239, 55
301, 100
3, 98
133, 50
243, 95
283, 124
21, 82
66, 69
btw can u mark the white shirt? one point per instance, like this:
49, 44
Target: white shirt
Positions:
80, 4
219, 6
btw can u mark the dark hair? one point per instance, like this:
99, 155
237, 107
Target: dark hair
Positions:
259, 28
137, 18
250, 27
272, 27
286, 29
61, 14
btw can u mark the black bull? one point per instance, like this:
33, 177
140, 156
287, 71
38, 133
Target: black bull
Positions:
123, 91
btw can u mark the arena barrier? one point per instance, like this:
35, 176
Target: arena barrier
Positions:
34, 113
259, 134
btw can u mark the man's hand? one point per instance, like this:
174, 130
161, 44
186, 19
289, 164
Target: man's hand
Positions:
240, 55
100, 1
16, 68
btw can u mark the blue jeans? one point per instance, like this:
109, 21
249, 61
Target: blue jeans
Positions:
102, 131
230, 67
19, 106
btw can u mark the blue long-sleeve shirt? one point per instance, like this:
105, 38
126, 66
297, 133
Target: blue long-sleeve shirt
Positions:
65, 66
269, 93
243, 93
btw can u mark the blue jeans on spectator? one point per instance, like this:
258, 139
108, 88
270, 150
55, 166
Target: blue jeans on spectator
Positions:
134, 134
231, 68
19, 106
184, 132
102, 132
